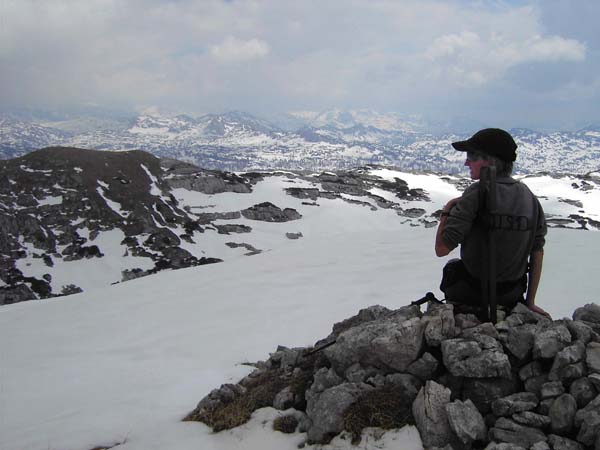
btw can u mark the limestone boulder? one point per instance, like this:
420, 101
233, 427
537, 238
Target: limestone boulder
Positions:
393, 344
550, 338
466, 421
469, 358
431, 418
326, 410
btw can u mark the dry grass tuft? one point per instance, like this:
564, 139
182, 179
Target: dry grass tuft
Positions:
386, 407
260, 393
285, 424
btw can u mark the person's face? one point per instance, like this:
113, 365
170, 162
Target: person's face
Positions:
474, 162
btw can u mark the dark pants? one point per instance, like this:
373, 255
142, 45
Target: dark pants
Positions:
461, 287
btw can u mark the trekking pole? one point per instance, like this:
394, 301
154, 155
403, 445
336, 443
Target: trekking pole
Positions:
484, 181
491, 210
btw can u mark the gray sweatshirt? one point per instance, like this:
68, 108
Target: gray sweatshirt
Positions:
519, 229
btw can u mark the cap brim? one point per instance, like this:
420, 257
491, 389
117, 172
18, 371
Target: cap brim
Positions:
463, 146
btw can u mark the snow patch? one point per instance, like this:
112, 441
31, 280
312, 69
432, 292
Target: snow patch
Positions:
154, 190
115, 206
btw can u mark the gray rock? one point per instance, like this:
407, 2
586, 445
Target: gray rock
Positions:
210, 182
533, 369
229, 228
595, 379
357, 374
535, 384
15, 294
588, 313
562, 414
483, 391
519, 340
552, 389
284, 399
545, 405
506, 430
592, 358
597, 445
466, 358
224, 395
439, 324
293, 235
503, 446
572, 372
531, 419
409, 384
540, 446
288, 358
206, 218
424, 367
579, 331
526, 315
429, 411
583, 391
550, 338
566, 357
563, 443
466, 421
268, 212
515, 403
464, 321
324, 379
326, 410
392, 343
365, 315
481, 333
588, 422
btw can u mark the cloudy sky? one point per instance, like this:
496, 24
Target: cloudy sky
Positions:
510, 63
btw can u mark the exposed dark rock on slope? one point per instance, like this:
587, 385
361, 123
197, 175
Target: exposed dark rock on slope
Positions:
57, 201
525, 383
56, 204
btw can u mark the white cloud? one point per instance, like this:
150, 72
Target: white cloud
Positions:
238, 50
452, 45
471, 58
554, 48
412, 55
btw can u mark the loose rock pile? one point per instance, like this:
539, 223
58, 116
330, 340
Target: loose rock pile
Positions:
525, 383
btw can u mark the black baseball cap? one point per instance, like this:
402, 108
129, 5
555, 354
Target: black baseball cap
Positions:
491, 141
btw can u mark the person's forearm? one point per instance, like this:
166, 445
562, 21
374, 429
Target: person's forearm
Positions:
535, 273
440, 248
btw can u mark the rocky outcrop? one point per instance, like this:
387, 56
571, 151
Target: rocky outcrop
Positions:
468, 383
268, 212
55, 203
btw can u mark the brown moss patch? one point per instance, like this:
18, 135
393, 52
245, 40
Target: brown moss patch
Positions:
386, 407
285, 424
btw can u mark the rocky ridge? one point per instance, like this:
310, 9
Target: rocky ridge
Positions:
525, 383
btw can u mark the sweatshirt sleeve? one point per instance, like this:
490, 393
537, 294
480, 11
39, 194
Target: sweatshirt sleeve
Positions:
540, 233
461, 218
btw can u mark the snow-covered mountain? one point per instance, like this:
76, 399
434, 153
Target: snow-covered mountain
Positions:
74, 219
332, 140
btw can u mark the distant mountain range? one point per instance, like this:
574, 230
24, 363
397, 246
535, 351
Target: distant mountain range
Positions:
299, 141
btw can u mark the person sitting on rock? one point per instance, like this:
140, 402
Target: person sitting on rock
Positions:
518, 223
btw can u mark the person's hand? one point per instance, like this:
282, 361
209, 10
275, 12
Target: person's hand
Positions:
537, 309
451, 204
